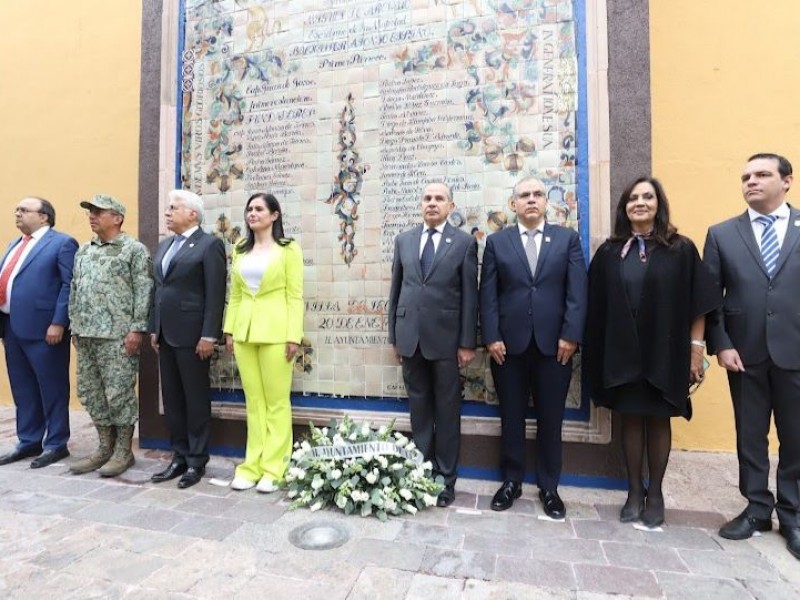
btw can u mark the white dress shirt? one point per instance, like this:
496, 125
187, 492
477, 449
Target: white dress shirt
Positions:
35, 237
436, 238
523, 236
781, 223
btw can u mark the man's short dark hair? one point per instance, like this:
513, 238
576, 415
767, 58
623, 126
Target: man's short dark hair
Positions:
47, 210
784, 166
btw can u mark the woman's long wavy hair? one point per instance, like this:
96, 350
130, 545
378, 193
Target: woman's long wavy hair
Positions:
664, 232
277, 226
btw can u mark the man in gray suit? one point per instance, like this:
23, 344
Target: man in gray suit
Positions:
185, 322
755, 257
433, 314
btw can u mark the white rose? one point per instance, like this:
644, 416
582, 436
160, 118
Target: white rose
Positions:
341, 501
353, 437
365, 430
406, 494
316, 506
325, 431
429, 500
371, 478
334, 474
305, 445
317, 483
410, 508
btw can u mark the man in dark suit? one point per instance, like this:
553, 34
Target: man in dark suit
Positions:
755, 257
34, 296
533, 310
433, 313
185, 322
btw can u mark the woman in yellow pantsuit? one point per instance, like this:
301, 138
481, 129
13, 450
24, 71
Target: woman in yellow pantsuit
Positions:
263, 328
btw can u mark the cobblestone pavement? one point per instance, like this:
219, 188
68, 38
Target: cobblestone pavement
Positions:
65, 536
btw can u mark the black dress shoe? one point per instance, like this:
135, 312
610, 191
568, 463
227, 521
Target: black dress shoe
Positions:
192, 476
447, 497
553, 505
175, 469
792, 535
505, 496
18, 454
48, 457
653, 513
743, 527
634, 506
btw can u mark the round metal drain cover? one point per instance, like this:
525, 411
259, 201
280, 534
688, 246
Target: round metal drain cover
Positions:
319, 536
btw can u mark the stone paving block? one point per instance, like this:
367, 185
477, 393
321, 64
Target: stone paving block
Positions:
208, 528
505, 544
772, 590
694, 518
330, 566
431, 535
75, 485
536, 572
609, 512
430, 516
260, 537
607, 530
70, 549
429, 587
568, 550
32, 481
139, 593
58, 506
459, 564
253, 511
644, 556
22, 501
221, 586
581, 510
491, 590
154, 519
383, 553
159, 497
681, 537
115, 565
678, 586
208, 505
285, 588
379, 582
154, 543
107, 512
616, 580
465, 500
72, 587
116, 492
726, 566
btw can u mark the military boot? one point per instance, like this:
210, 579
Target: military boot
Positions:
100, 456
122, 459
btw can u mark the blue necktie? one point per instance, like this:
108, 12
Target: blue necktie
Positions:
173, 250
769, 243
428, 252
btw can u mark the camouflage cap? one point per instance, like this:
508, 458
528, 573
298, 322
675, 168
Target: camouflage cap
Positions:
105, 202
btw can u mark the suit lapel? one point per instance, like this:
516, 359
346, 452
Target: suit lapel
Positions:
746, 232
544, 249
37, 248
790, 241
445, 243
187, 245
416, 236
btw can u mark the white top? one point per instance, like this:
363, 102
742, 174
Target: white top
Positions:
252, 267
35, 237
780, 225
436, 238
523, 234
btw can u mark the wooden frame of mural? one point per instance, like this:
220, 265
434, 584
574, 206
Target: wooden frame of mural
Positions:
344, 109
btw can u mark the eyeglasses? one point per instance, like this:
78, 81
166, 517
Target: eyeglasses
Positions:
23, 211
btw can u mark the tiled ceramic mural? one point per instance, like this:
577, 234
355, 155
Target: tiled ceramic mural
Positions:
344, 109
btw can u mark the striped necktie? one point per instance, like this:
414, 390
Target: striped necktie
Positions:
769, 243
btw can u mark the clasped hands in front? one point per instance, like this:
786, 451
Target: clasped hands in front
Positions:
292, 348
566, 348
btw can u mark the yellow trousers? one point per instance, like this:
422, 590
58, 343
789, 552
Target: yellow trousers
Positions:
267, 381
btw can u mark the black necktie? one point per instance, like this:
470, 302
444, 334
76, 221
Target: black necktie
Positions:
428, 252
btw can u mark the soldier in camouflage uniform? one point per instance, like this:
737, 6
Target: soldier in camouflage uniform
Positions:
108, 307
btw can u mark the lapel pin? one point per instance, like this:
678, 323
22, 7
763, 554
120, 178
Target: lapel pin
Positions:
797, 223
191, 245
448, 240
547, 239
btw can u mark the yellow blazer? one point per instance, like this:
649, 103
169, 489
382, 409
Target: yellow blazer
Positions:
274, 314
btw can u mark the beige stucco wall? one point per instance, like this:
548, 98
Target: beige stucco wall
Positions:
725, 81
69, 96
